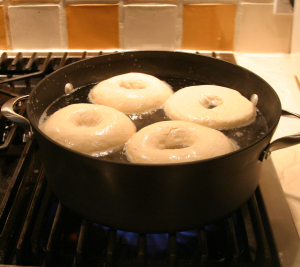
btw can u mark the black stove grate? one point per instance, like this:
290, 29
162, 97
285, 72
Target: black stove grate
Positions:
36, 230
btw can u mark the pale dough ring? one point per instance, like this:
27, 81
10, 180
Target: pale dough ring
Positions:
90, 129
176, 141
131, 93
212, 106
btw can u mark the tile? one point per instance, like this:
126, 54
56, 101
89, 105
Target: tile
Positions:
156, 1
258, 1
93, 26
150, 27
35, 27
262, 31
3, 36
283, 7
33, 1
208, 26
207, 2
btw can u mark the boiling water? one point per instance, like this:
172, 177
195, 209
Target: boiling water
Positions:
241, 137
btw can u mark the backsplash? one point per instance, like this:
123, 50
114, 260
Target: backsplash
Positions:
241, 26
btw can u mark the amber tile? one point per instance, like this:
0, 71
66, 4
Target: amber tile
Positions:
3, 36
208, 26
93, 26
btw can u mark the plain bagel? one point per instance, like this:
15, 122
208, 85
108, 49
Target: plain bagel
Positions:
212, 106
90, 129
176, 141
131, 93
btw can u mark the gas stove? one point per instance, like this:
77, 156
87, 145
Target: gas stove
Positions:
37, 230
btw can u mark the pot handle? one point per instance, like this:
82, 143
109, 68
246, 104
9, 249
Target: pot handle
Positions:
7, 110
282, 142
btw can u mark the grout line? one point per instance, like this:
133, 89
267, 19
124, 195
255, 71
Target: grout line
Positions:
63, 24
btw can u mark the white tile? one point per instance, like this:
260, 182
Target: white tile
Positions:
212, 1
150, 27
35, 27
262, 31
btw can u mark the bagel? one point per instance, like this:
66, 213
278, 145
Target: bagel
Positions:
176, 141
91, 129
212, 106
131, 93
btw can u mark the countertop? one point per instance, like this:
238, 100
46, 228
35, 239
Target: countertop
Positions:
280, 71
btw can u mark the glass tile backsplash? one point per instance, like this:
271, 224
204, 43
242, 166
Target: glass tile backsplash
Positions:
138, 24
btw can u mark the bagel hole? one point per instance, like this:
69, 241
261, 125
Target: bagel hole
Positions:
210, 101
87, 119
177, 146
132, 84
210, 106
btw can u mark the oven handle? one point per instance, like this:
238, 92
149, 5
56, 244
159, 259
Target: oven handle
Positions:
282, 142
7, 110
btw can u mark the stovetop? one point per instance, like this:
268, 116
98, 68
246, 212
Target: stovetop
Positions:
36, 230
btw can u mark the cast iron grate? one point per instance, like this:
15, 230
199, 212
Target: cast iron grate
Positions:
36, 230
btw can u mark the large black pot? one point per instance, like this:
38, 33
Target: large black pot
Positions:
153, 198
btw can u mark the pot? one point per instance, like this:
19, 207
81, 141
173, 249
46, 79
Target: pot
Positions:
153, 198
